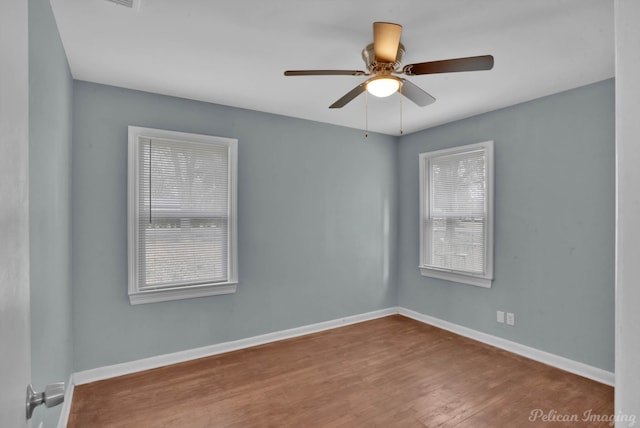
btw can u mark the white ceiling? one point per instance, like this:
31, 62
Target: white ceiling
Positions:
235, 52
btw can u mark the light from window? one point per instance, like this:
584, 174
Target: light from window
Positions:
182, 222
456, 212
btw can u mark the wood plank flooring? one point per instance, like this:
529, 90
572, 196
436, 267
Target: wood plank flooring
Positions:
389, 372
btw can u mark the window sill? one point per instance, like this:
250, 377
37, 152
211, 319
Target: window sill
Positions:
164, 295
456, 277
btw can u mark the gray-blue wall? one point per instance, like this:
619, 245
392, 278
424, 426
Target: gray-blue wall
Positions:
554, 225
50, 96
316, 228
317, 225
318, 211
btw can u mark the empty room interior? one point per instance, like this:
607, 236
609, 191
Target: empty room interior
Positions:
228, 226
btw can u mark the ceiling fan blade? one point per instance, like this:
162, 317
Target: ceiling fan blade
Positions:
416, 94
350, 96
386, 39
472, 63
324, 73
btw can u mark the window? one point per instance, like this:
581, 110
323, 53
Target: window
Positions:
182, 215
456, 214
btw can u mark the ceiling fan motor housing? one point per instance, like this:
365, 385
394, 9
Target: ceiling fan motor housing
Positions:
376, 67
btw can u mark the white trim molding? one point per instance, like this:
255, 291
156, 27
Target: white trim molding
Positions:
562, 363
446, 271
66, 405
106, 372
449, 275
179, 288
115, 370
566, 364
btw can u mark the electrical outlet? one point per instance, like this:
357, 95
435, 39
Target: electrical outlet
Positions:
500, 317
511, 318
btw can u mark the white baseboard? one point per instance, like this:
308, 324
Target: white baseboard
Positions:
566, 364
115, 370
207, 351
66, 405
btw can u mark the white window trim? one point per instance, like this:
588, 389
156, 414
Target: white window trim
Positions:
451, 275
149, 296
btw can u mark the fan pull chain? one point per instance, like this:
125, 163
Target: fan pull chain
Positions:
401, 130
150, 164
366, 114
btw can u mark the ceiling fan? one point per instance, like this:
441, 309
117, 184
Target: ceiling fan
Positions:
383, 58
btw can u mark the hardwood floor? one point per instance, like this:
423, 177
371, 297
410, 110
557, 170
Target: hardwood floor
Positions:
389, 372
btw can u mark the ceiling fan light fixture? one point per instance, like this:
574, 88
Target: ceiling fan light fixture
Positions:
383, 60
383, 86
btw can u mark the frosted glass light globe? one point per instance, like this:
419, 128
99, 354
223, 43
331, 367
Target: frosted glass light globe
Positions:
383, 86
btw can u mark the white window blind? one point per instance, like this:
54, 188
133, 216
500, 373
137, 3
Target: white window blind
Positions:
183, 216
456, 223
183, 220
